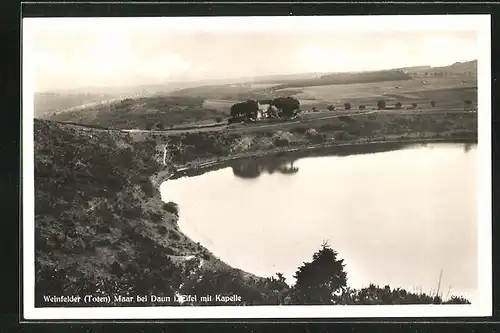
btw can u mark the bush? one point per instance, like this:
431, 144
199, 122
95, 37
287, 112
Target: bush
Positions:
398, 105
433, 103
314, 136
299, 130
171, 207
281, 139
347, 106
341, 136
162, 230
218, 119
331, 108
155, 217
381, 104
361, 107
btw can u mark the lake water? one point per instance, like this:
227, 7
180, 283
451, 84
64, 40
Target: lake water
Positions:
398, 217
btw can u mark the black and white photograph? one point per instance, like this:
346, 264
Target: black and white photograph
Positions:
256, 167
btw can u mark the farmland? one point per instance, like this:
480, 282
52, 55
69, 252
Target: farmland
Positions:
445, 91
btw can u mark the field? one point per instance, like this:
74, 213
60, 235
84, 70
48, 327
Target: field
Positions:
448, 87
445, 91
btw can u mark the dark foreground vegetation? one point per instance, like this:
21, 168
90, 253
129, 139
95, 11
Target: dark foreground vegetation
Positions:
101, 228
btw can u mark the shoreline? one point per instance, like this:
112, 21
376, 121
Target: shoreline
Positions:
204, 166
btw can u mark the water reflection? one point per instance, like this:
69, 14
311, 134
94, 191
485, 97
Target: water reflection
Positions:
397, 217
253, 168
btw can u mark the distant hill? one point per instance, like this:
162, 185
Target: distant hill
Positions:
346, 78
467, 68
47, 103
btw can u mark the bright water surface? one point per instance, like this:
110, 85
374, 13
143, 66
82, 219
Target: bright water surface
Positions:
398, 217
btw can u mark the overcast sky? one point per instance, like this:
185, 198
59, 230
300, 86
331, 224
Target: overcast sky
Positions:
71, 54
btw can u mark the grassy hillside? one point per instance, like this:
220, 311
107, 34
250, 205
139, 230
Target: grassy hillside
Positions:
98, 218
142, 112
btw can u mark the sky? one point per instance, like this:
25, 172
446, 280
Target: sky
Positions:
76, 53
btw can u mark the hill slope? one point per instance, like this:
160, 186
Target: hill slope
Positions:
99, 218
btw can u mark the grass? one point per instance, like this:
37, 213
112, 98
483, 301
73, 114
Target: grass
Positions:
142, 113
442, 90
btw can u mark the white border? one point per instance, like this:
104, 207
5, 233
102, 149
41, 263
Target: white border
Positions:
480, 23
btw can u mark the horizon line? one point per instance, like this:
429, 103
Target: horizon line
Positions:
248, 79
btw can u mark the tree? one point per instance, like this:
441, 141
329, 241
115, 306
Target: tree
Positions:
247, 110
398, 105
159, 126
381, 104
149, 126
414, 105
467, 105
218, 119
347, 106
433, 103
361, 107
331, 108
287, 106
314, 109
318, 280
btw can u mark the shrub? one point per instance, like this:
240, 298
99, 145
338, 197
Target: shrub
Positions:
361, 107
218, 119
132, 212
433, 103
331, 108
398, 105
311, 132
347, 106
162, 230
414, 105
381, 104
147, 188
299, 130
281, 139
155, 217
171, 207
341, 136
174, 236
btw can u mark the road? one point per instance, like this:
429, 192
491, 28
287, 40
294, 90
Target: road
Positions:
303, 120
